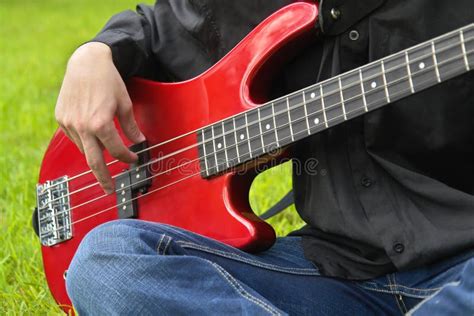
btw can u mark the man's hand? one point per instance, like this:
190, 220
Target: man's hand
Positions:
92, 94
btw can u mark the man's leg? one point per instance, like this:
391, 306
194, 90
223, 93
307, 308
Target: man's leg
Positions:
443, 288
137, 267
453, 298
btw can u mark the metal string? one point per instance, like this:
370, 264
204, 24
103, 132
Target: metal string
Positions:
284, 111
177, 181
378, 89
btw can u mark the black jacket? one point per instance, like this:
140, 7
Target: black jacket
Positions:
395, 188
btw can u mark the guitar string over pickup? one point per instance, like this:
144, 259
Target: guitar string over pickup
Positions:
129, 183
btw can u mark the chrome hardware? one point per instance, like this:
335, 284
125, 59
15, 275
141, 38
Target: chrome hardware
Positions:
54, 215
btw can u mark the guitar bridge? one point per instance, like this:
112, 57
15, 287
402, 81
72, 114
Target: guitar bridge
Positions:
53, 211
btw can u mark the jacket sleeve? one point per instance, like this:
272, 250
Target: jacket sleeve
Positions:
178, 39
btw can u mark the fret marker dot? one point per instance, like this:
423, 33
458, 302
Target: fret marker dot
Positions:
242, 136
421, 65
219, 145
313, 95
267, 126
316, 121
373, 84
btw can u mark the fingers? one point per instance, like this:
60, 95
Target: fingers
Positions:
127, 120
109, 137
72, 135
95, 160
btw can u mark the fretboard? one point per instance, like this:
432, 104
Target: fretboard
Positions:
283, 121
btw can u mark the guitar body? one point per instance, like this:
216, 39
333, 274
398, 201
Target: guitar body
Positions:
216, 207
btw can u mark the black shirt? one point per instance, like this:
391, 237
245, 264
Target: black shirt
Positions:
395, 188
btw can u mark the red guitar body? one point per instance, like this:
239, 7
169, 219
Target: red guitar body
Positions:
217, 207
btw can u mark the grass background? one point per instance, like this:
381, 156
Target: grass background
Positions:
36, 38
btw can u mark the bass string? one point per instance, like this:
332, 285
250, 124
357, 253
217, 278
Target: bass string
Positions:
296, 105
378, 89
175, 182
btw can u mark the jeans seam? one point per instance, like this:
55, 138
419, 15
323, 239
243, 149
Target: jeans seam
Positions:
241, 291
414, 288
397, 299
405, 309
398, 289
428, 298
302, 271
392, 292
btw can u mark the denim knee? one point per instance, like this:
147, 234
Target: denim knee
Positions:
98, 252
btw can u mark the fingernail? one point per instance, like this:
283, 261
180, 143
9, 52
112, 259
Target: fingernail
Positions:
109, 191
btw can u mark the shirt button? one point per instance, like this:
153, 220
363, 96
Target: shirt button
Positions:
366, 182
335, 13
398, 247
354, 35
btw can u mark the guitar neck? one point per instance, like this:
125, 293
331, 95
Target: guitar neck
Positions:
311, 110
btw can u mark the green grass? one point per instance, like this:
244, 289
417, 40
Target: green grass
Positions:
36, 38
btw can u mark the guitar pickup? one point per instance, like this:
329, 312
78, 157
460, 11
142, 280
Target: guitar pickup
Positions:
133, 181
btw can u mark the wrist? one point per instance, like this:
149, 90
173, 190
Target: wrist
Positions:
91, 51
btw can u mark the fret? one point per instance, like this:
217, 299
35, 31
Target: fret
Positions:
373, 83
230, 142
219, 149
396, 74
450, 56
214, 148
253, 128
260, 128
248, 135
268, 127
407, 60
385, 82
468, 34
306, 113
275, 126
289, 119
323, 107
225, 145
242, 138
298, 116
435, 61
362, 90
421, 66
208, 149
342, 98
282, 122
461, 36
202, 153
236, 139
353, 94
315, 109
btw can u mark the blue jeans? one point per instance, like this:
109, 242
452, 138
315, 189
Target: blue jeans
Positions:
133, 267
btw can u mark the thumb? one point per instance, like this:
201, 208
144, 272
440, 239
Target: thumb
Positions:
127, 121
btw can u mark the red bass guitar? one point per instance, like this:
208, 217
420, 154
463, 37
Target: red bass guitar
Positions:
205, 135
